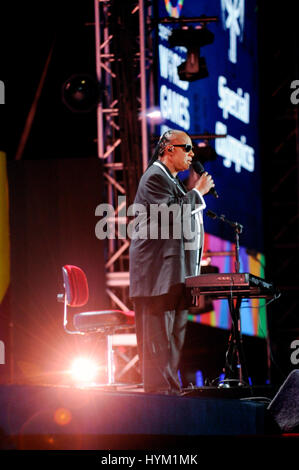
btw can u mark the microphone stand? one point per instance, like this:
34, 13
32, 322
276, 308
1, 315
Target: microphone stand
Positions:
238, 228
235, 342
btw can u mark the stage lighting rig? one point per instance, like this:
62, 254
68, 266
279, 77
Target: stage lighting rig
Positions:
194, 68
80, 93
204, 152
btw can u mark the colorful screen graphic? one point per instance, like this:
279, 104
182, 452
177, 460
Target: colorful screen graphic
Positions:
218, 253
223, 103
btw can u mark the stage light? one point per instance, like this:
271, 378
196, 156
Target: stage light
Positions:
204, 152
81, 93
84, 369
194, 68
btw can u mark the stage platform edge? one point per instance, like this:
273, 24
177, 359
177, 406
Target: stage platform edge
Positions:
61, 417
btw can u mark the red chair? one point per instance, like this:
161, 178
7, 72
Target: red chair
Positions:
106, 322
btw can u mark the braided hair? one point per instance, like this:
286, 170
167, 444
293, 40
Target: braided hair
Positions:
160, 147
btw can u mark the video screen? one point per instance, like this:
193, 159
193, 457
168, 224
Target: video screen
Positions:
218, 106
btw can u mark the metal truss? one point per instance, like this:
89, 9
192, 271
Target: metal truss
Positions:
122, 136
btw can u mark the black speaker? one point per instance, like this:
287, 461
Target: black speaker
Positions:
284, 407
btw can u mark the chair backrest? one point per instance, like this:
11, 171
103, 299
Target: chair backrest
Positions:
76, 285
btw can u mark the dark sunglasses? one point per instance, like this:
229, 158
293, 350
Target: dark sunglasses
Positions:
187, 147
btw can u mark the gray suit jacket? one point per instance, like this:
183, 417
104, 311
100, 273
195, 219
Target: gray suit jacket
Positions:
158, 261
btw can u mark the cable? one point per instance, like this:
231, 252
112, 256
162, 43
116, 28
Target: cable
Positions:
275, 297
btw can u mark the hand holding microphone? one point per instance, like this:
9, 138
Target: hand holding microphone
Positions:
205, 183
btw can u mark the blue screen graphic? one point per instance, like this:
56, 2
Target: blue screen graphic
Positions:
224, 103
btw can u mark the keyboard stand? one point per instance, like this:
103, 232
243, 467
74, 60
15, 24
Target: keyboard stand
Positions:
235, 367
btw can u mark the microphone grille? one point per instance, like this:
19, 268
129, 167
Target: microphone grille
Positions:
198, 167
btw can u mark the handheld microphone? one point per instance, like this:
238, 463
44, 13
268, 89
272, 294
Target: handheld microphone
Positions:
199, 169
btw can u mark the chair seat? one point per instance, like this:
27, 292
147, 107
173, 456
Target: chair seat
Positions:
104, 320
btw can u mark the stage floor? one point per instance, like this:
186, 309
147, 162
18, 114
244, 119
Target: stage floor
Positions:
69, 418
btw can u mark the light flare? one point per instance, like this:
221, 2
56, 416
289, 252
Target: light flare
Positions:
84, 369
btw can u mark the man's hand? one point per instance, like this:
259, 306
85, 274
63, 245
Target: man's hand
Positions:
204, 183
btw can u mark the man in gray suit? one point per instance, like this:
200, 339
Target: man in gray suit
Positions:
162, 254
